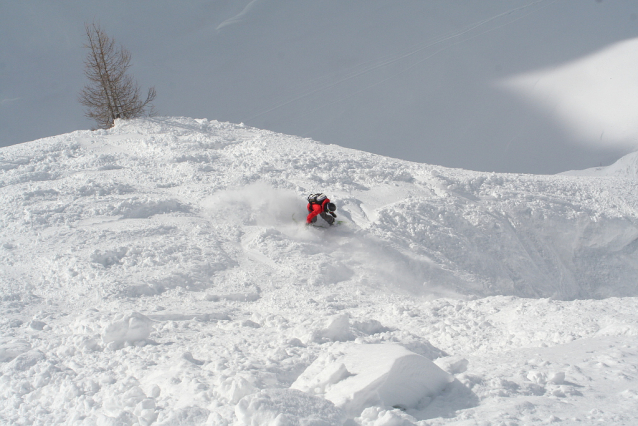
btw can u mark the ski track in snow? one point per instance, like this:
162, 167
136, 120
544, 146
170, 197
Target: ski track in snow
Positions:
153, 274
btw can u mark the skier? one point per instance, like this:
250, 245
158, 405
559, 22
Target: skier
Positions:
319, 204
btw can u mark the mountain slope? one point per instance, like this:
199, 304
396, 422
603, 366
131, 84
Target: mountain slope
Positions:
160, 272
412, 227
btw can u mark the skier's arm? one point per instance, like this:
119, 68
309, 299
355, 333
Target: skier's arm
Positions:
316, 209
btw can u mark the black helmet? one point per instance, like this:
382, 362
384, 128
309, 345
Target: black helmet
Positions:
331, 207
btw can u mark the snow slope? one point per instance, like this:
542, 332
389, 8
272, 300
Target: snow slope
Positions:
626, 167
159, 272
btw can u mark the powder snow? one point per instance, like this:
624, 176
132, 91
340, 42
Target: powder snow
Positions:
160, 272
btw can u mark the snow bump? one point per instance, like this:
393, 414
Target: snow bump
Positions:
355, 377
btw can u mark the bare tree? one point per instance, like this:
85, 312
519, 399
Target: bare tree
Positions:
111, 93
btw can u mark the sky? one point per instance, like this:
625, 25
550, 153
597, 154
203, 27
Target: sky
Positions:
474, 85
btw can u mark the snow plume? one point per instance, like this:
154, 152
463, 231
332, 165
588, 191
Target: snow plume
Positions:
386, 266
193, 292
369, 259
257, 204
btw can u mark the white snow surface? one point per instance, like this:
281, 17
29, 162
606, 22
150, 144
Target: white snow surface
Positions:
160, 273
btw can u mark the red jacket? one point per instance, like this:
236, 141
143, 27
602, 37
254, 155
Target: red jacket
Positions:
316, 209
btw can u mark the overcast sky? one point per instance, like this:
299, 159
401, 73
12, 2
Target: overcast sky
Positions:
478, 85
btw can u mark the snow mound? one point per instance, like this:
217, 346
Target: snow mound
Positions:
337, 328
115, 330
355, 377
128, 328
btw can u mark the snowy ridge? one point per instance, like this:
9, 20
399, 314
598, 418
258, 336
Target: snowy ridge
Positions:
626, 167
157, 273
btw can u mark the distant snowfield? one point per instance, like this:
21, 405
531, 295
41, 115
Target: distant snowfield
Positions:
595, 97
160, 273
